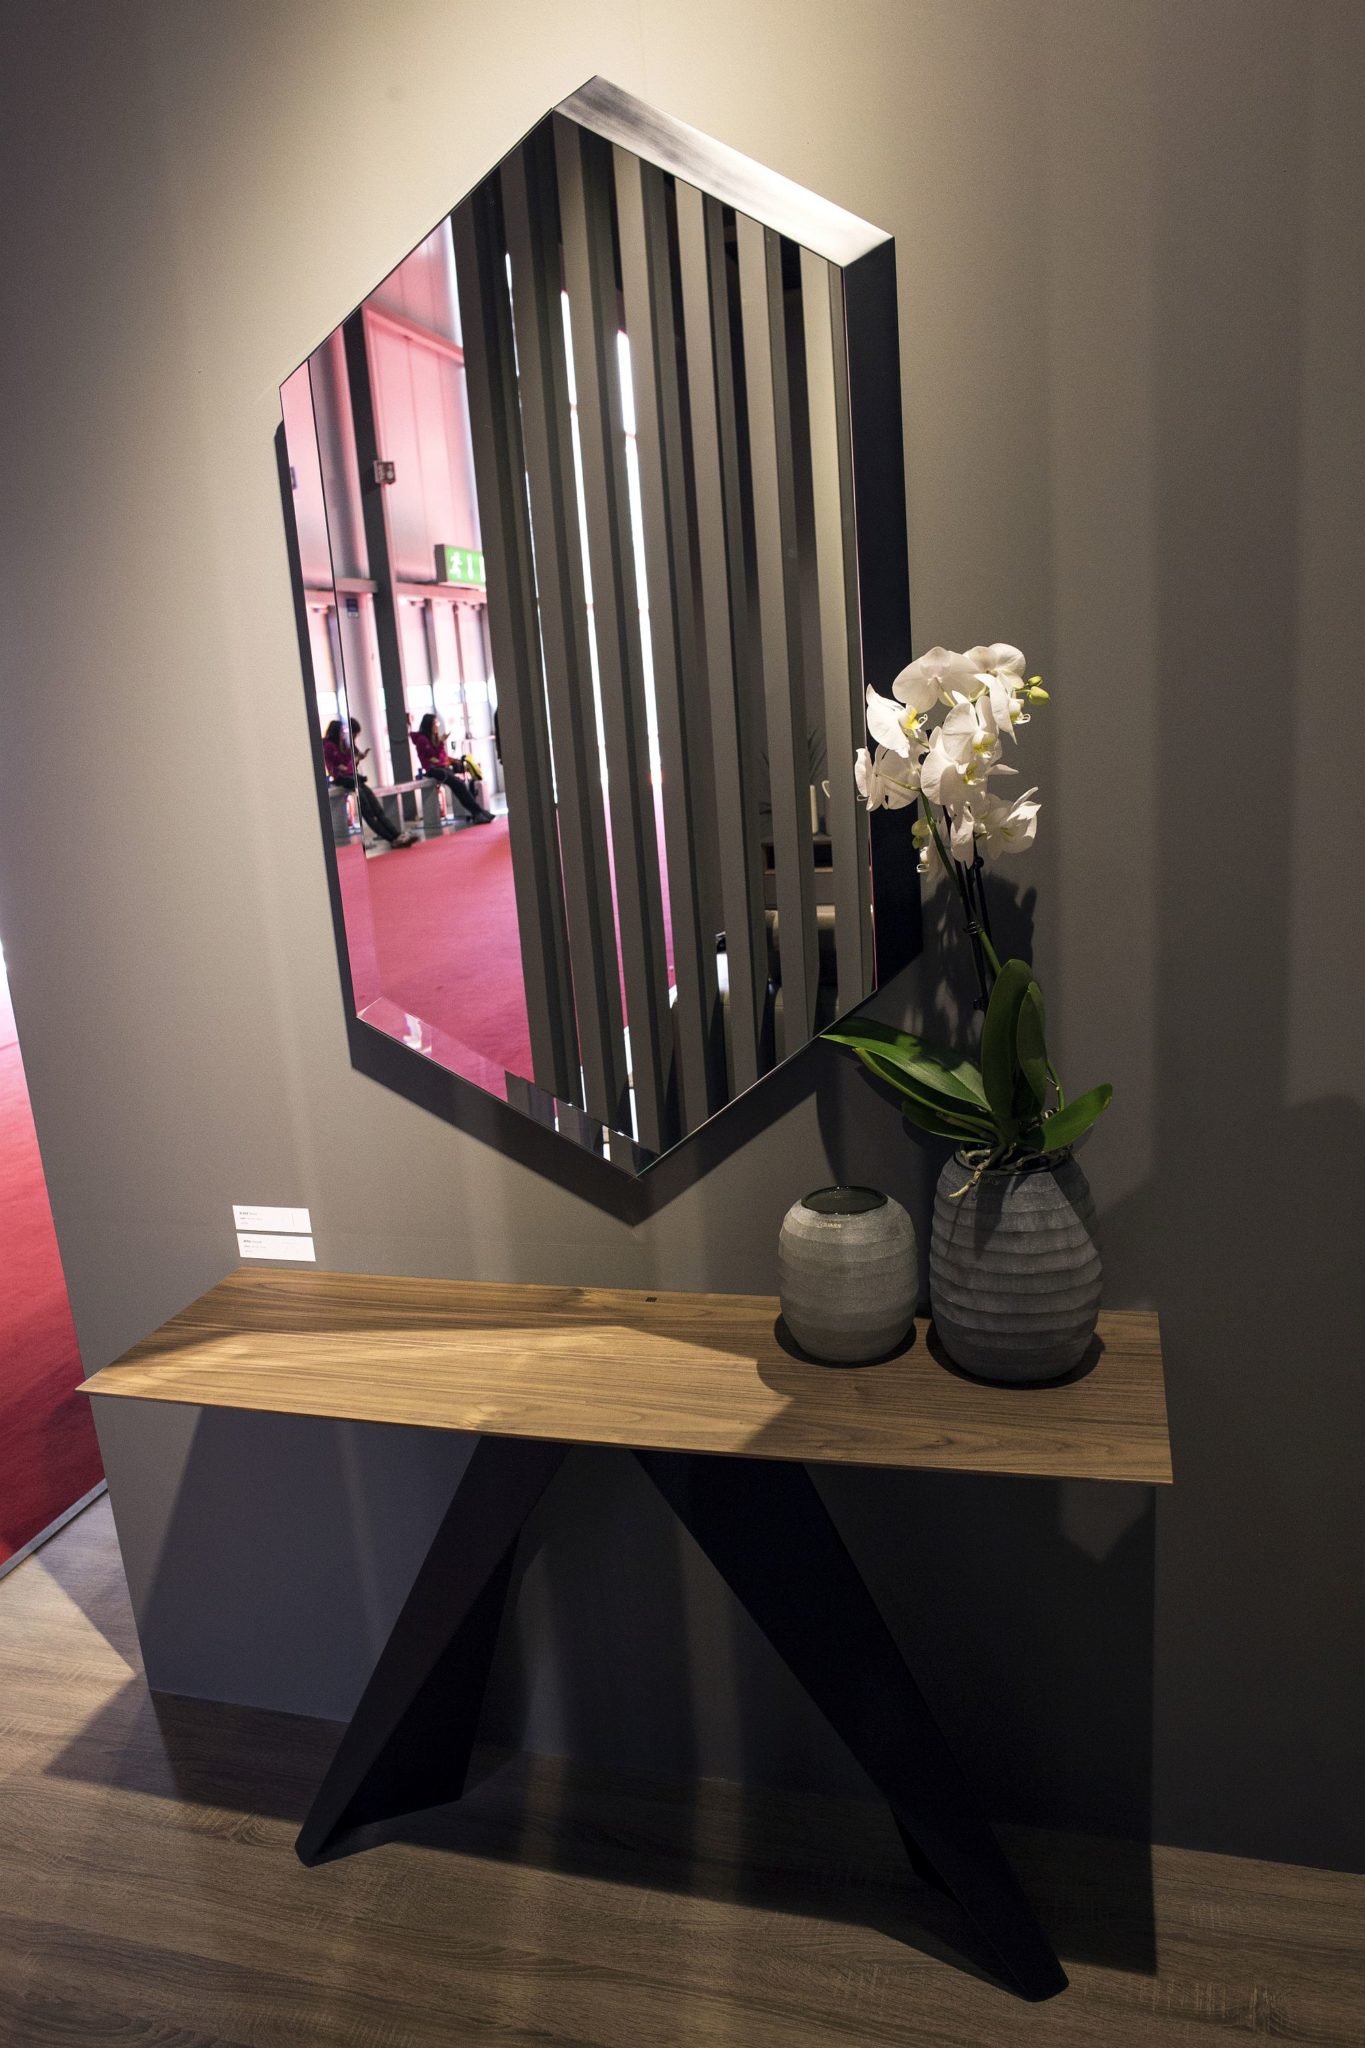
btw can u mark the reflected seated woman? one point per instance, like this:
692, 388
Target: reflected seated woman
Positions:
341, 758
436, 765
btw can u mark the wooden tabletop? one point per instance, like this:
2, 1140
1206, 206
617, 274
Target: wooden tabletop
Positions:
688, 1372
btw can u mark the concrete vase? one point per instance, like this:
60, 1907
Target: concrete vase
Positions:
1014, 1270
848, 1272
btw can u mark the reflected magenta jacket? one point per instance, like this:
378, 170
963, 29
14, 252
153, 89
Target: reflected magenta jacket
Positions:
430, 755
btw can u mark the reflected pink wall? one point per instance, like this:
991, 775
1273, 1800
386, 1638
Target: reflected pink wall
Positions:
422, 288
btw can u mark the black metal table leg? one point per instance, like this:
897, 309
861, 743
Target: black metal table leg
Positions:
407, 1745
768, 1533
766, 1530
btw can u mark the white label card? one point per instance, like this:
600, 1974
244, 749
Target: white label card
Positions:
264, 1244
252, 1216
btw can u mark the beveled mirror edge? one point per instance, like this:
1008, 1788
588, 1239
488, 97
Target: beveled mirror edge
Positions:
736, 180
779, 202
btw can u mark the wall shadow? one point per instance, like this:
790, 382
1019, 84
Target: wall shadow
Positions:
320, 1528
1247, 1229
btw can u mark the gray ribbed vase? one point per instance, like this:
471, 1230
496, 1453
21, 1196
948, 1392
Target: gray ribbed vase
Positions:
1014, 1270
848, 1273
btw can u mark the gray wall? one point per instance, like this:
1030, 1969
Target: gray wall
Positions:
1130, 251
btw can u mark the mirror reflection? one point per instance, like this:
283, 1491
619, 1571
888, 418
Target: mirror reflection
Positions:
573, 501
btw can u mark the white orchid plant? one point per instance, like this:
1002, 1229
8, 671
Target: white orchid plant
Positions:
1006, 1110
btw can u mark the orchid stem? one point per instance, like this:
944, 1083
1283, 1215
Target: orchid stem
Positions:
979, 883
948, 867
978, 879
958, 874
978, 939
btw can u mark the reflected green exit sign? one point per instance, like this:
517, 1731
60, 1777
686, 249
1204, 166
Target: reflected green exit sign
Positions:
461, 565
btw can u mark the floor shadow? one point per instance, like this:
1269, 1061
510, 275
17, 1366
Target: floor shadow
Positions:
203, 1753
83, 1560
820, 1859
825, 1859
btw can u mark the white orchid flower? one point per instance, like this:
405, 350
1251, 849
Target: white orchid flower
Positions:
943, 772
971, 732
933, 679
998, 673
962, 756
970, 737
957, 786
1004, 827
999, 659
962, 833
1006, 704
890, 726
885, 780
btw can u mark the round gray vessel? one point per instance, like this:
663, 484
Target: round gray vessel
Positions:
848, 1273
1014, 1269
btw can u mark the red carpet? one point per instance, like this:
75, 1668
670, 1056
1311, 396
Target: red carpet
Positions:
433, 931
433, 935
48, 1453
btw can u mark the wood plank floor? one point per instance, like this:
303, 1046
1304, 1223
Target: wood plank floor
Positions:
149, 1894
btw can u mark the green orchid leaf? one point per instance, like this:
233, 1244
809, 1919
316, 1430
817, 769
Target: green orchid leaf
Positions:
959, 1108
962, 1117
925, 1119
1065, 1126
999, 1056
1031, 1044
923, 1110
941, 1067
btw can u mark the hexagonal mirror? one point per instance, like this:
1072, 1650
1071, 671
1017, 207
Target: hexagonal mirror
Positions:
597, 525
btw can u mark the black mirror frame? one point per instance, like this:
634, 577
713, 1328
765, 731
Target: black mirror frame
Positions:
865, 258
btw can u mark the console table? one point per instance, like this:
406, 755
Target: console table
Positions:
724, 1419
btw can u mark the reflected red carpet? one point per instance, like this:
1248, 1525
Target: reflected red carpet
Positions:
443, 943
48, 1453
433, 930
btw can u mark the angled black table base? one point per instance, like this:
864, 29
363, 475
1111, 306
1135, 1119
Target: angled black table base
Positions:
408, 1744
